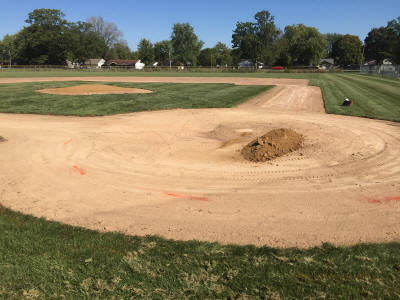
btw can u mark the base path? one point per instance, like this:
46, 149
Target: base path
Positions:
179, 173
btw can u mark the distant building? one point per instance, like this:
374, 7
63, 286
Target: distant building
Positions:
136, 63
326, 64
72, 65
245, 64
94, 63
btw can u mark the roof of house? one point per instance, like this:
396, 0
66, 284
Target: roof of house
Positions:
122, 62
328, 60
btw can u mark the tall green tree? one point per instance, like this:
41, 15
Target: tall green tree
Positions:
223, 55
306, 44
163, 52
83, 43
185, 44
146, 51
45, 40
244, 41
384, 43
394, 26
331, 39
207, 57
380, 44
282, 55
256, 40
120, 50
8, 50
347, 50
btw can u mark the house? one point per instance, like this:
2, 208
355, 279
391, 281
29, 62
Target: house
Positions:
94, 63
133, 63
72, 65
386, 61
326, 64
245, 64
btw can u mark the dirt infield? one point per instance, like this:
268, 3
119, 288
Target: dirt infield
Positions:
93, 89
180, 173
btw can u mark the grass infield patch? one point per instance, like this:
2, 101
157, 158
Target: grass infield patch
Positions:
23, 98
42, 259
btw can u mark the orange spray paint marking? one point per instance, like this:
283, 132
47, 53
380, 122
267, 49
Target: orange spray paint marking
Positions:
187, 197
388, 199
79, 170
67, 142
384, 200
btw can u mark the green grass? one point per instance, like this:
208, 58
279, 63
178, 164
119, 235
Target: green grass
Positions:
45, 259
22, 98
375, 97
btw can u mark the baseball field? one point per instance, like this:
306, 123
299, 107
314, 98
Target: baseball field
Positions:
158, 160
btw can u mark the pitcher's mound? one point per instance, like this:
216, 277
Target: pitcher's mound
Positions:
93, 89
275, 143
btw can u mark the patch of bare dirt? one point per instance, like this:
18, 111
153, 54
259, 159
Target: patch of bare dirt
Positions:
273, 144
93, 89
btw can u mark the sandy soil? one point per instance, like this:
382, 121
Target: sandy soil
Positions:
93, 89
180, 174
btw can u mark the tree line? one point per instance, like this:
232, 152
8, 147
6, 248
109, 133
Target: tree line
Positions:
49, 39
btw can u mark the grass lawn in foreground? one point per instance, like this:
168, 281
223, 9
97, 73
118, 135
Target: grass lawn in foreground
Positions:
23, 98
42, 259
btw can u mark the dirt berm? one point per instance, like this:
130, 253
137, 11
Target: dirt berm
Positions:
275, 143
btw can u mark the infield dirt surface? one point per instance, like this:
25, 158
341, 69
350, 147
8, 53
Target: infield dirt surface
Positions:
180, 174
93, 89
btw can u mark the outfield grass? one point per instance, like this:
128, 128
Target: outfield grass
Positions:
49, 260
23, 98
375, 97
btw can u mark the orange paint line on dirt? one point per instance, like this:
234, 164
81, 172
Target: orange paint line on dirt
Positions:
67, 142
386, 199
79, 170
187, 196
392, 199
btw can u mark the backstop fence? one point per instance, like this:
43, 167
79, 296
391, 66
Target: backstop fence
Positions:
381, 70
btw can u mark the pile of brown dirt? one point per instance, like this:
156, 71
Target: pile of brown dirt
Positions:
275, 143
93, 89
2, 139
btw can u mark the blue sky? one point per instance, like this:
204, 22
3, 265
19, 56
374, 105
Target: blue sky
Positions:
213, 20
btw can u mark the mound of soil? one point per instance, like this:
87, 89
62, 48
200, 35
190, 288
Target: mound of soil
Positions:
2, 139
93, 89
275, 143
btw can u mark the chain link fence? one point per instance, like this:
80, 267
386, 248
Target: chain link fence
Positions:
381, 70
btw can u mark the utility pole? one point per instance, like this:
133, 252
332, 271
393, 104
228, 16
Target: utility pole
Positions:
9, 53
169, 55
